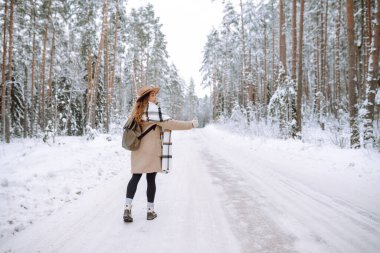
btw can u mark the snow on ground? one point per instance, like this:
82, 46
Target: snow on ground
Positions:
326, 197
227, 193
36, 178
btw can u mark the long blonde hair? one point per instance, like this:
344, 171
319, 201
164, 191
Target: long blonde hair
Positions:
139, 107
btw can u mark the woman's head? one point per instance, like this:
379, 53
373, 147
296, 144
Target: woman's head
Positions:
145, 90
146, 94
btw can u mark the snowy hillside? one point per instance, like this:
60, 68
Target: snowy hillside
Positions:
227, 193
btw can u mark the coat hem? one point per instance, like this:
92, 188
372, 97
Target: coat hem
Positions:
145, 171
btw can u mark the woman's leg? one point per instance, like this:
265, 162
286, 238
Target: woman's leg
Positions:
131, 190
132, 186
151, 189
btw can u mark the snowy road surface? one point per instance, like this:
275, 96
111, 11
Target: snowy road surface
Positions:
227, 193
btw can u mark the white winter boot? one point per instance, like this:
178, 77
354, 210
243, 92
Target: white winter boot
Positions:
127, 217
151, 214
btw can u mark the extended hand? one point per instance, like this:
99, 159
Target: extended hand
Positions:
195, 123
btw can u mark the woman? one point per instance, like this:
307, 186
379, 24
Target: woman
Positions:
147, 159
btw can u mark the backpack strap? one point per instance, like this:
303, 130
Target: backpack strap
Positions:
147, 131
147, 116
160, 114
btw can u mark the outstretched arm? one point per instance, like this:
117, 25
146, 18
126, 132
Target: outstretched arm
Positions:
176, 125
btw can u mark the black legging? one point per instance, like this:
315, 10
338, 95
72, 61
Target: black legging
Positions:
150, 190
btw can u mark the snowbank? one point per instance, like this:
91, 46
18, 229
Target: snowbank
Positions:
36, 178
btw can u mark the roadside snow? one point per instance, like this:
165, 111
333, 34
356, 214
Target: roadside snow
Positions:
36, 179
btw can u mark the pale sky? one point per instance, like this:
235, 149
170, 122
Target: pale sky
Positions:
186, 24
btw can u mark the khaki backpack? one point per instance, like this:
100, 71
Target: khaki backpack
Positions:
132, 134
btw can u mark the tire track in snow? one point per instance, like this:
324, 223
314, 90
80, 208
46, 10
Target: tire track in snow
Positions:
339, 228
256, 231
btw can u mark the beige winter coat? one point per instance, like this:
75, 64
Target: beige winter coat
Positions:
147, 158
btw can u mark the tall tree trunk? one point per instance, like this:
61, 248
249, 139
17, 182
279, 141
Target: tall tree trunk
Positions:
282, 36
50, 97
8, 115
373, 82
3, 81
325, 60
317, 77
89, 83
112, 85
367, 38
43, 68
273, 88
244, 90
106, 78
32, 116
293, 106
213, 96
283, 109
42, 119
294, 39
265, 80
361, 52
322, 54
223, 76
337, 58
352, 80
25, 125
95, 80
299, 78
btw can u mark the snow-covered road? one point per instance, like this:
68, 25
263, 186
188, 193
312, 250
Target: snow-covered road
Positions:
283, 196
227, 193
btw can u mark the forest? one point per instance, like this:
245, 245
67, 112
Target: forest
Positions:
73, 67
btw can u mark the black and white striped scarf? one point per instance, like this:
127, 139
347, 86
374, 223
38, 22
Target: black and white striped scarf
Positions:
153, 113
